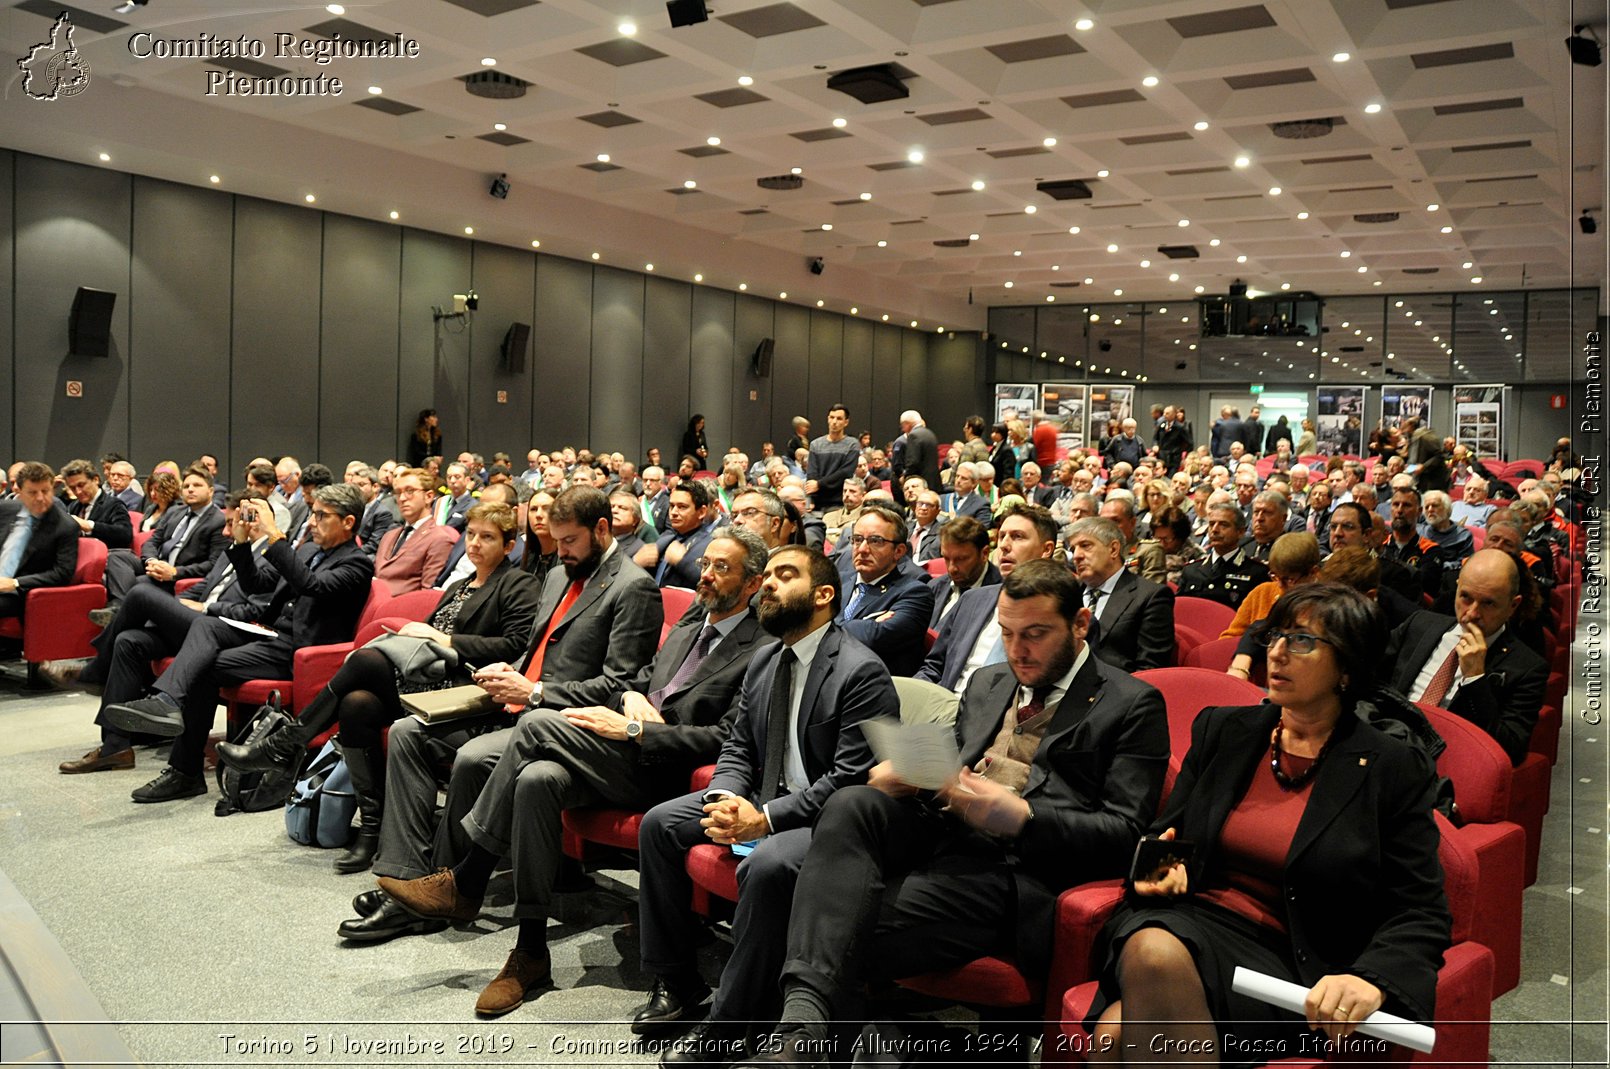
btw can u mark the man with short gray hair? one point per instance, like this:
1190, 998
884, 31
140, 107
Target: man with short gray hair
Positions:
965, 500
1230, 572
921, 456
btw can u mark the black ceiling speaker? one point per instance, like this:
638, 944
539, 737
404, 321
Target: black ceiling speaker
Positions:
1585, 52
1238, 288
1588, 224
816, 264
1180, 252
686, 12
780, 182
1069, 189
870, 85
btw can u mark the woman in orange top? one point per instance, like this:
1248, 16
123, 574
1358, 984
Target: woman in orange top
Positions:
1293, 561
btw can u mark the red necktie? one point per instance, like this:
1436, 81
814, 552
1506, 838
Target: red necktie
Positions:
533, 668
1437, 689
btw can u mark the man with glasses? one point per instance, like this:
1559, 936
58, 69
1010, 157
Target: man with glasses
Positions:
927, 524
761, 512
318, 593
633, 750
886, 608
412, 554
656, 499
97, 513
120, 477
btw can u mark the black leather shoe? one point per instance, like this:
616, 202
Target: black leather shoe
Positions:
170, 786
710, 1045
387, 922
152, 716
366, 903
667, 1006
793, 1048
279, 750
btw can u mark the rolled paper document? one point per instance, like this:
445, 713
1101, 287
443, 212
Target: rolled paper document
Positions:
1289, 996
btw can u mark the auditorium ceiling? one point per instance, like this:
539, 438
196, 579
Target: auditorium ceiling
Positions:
1340, 147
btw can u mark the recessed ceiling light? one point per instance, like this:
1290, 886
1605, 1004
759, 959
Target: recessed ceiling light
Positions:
1241, 259
1184, 222
1466, 266
978, 185
883, 244
1050, 297
915, 155
1009, 285
1056, 267
1073, 230
783, 296
1199, 289
972, 237
489, 62
1029, 209
1287, 286
913, 322
1372, 109
886, 317
712, 141
1149, 81
1302, 215
796, 170
603, 157
469, 230
841, 122
854, 310
1214, 243
1174, 277
866, 196
1090, 281
1362, 269
690, 184
214, 179
1084, 24
820, 303
375, 90
827, 226
1275, 191
1118, 293
648, 267
500, 126
1377, 282
1112, 248
1242, 161
310, 198
698, 278
1201, 124
1049, 142
744, 79
1017, 252
1341, 57
1345, 254
1145, 263
536, 244
743, 286
1447, 230
1103, 173
396, 215
335, 9
1476, 279
595, 256
105, 158
1432, 207
627, 29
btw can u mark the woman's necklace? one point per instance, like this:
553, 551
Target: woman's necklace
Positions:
1293, 783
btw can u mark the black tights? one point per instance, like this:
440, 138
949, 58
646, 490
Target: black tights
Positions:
1163, 1014
366, 692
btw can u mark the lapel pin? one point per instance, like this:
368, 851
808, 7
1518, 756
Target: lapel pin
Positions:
1362, 761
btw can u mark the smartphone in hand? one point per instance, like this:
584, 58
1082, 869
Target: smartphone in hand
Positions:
1154, 856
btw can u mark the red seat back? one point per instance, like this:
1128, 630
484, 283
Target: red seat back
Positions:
1214, 656
1460, 871
1187, 691
1476, 764
1478, 536
935, 567
376, 606
91, 568
1208, 618
415, 605
675, 600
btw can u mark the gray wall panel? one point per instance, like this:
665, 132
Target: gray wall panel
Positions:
889, 349
710, 371
827, 372
753, 419
667, 340
562, 348
8, 437
72, 227
432, 359
883, 421
506, 281
790, 369
617, 366
358, 343
274, 387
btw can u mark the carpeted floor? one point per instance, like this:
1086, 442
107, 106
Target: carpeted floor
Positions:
212, 940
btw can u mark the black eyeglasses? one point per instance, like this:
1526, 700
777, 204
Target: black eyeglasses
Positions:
875, 541
1298, 642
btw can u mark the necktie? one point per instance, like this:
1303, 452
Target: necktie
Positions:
782, 693
1094, 596
1035, 705
855, 600
176, 543
17, 544
533, 668
1437, 689
315, 560
396, 546
690, 665
226, 579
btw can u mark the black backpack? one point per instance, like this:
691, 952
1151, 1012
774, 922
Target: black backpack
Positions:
254, 792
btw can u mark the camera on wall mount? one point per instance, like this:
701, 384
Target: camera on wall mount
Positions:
464, 306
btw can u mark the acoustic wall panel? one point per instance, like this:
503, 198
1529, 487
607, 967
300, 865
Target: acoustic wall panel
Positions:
855, 342
955, 389
791, 372
561, 345
617, 365
432, 358
8, 436
72, 230
358, 339
667, 360
710, 385
506, 281
827, 373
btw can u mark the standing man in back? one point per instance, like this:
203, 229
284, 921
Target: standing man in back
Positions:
832, 460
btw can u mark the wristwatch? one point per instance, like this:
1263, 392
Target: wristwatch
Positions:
536, 696
634, 730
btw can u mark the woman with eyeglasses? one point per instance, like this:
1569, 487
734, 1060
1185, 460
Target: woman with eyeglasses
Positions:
1315, 861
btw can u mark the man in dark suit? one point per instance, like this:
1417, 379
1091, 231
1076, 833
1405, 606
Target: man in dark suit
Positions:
886, 608
970, 635
1173, 439
151, 623
964, 500
324, 585
38, 540
795, 740
974, 868
634, 751
597, 625
1035, 492
97, 513
411, 555
380, 511
656, 499
1474, 664
926, 523
1252, 432
1134, 617
964, 544
450, 507
290, 494
1126, 448
922, 449
184, 545
674, 558
1229, 572
120, 477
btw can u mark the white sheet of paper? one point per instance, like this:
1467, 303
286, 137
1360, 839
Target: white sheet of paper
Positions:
923, 755
250, 629
1289, 996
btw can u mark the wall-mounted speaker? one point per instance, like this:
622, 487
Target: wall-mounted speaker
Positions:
515, 344
89, 327
760, 363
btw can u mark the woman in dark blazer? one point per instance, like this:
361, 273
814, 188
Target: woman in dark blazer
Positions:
484, 618
694, 444
1316, 862
426, 441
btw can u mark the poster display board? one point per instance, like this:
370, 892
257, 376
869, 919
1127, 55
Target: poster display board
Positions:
1339, 420
1064, 404
1015, 400
1478, 418
1399, 403
1111, 402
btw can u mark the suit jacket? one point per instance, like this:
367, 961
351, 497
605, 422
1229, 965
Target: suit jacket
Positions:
1251, 437
1127, 450
495, 622
110, 517
203, 544
698, 718
236, 602
604, 640
421, 558
928, 545
1137, 625
133, 498
846, 684
922, 456
940, 586
970, 504
684, 573
1094, 783
899, 639
297, 510
52, 553
325, 602
958, 635
454, 516
1227, 581
1504, 701
1362, 885
379, 516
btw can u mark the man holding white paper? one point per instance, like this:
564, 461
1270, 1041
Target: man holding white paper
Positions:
1062, 759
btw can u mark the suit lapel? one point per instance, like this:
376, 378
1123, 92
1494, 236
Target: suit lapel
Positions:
1346, 768
1118, 602
983, 722
591, 591
735, 645
674, 652
1083, 693
821, 664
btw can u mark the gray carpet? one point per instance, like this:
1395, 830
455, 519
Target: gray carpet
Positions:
190, 928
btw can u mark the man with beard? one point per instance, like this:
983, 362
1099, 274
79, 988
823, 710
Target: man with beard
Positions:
941, 878
634, 750
795, 739
597, 625
1404, 544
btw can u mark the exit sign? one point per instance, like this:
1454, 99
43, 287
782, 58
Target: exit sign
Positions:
1557, 400
1257, 388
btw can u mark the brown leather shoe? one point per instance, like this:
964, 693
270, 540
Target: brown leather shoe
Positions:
523, 973
433, 897
94, 762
